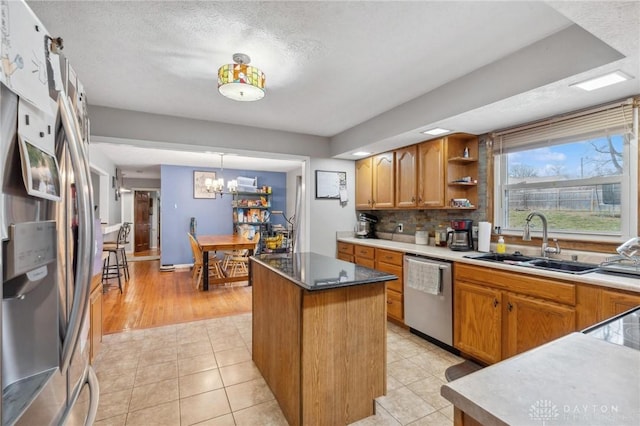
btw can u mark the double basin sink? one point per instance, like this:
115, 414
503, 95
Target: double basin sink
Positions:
567, 266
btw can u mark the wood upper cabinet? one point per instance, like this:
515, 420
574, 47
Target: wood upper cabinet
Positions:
383, 180
616, 302
364, 183
375, 182
532, 322
406, 176
478, 321
431, 173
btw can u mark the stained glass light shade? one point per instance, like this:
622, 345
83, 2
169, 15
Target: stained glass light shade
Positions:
241, 82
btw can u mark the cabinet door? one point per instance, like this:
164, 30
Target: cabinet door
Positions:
364, 183
383, 181
431, 174
395, 308
614, 303
477, 321
532, 322
395, 285
406, 176
95, 323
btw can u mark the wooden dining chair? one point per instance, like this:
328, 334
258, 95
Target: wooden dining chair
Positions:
228, 255
239, 264
215, 269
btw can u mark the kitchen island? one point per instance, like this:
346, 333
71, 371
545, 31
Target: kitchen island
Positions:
319, 335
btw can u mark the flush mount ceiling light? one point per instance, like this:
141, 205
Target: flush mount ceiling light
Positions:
435, 132
361, 153
240, 81
603, 81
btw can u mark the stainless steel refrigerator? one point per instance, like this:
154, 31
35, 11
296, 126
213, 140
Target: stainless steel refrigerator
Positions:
47, 229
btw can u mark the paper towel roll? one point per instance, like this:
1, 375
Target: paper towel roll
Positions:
484, 236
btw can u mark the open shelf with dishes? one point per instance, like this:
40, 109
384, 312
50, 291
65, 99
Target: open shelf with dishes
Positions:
462, 172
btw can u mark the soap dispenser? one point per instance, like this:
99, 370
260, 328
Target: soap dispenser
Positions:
501, 247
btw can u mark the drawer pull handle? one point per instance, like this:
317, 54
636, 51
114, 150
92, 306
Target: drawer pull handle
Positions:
495, 302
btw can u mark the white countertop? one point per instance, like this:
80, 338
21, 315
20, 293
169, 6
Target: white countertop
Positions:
593, 278
559, 383
107, 229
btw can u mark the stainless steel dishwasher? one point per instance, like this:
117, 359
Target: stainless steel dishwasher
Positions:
428, 298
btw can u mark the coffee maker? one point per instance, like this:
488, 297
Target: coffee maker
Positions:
365, 225
461, 237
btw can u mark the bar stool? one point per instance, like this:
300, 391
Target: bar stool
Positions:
119, 267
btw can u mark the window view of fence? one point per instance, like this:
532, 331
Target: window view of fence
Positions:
576, 185
585, 208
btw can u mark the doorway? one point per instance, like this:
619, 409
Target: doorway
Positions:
142, 215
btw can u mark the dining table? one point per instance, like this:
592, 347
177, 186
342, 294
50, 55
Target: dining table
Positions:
213, 243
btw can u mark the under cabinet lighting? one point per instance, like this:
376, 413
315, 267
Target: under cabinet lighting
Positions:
603, 81
361, 153
435, 132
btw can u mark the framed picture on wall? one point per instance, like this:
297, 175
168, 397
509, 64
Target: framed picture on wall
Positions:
329, 184
203, 184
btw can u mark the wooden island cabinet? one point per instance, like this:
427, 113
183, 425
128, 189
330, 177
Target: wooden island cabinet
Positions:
322, 347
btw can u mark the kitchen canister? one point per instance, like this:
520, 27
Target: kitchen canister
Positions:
484, 236
422, 237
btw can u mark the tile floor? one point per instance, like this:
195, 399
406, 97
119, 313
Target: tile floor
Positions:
201, 373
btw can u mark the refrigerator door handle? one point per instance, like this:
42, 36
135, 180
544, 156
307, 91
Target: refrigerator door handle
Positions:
85, 229
94, 396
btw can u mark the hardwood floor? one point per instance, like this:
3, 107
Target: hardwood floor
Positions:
152, 298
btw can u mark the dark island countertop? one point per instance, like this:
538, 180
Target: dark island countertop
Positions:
313, 271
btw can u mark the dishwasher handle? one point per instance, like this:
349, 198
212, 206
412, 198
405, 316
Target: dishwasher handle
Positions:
444, 269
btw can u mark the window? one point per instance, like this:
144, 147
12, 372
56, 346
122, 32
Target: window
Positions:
580, 172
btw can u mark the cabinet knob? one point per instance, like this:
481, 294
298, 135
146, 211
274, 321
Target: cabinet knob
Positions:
509, 306
413, 199
495, 302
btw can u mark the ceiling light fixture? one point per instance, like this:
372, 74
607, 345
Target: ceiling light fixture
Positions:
435, 132
217, 185
361, 153
602, 81
240, 81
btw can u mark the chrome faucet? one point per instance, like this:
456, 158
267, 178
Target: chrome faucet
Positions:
526, 236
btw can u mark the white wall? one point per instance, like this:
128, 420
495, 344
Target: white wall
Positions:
110, 124
110, 209
127, 216
329, 216
154, 219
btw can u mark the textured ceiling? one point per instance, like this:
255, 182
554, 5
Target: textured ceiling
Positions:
330, 66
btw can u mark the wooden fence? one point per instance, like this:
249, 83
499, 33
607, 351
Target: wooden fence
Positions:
600, 198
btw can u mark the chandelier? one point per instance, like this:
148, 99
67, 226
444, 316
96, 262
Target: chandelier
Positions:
217, 185
240, 81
